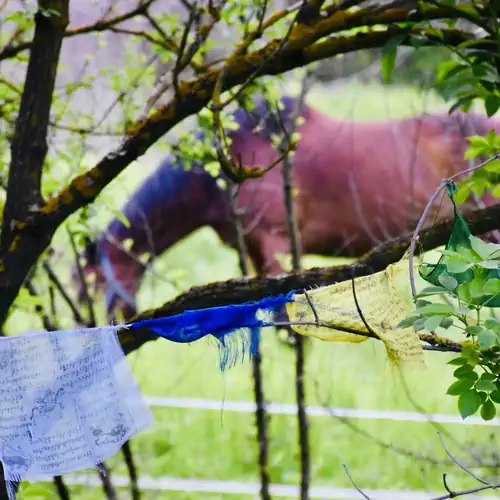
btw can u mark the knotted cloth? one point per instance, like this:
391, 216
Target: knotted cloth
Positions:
384, 299
68, 401
235, 328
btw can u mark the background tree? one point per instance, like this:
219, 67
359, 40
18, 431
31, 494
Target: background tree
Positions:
85, 93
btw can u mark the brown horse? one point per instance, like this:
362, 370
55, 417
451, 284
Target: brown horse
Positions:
357, 184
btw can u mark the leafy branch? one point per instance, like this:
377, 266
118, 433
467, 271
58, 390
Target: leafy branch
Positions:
27, 236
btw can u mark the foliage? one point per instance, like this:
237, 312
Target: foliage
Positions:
469, 286
182, 49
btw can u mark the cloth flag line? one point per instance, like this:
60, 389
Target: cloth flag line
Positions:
68, 400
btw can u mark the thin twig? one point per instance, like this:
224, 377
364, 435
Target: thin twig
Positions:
260, 409
360, 312
383, 444
107, 484
64, 294
132, 471
92, 322
354, 483
293, 234
470, 491
463, 467
48, 324
182, 48
311, 305
446, 487
278, 49
61, 488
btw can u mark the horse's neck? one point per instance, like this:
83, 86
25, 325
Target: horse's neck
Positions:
164, 217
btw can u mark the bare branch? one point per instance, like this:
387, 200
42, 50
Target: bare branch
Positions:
354, 483
10, 50
62, 489
86, 295
260, 409
64, 294
132, 470
477, 478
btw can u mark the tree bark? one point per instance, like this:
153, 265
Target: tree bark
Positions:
237, 291
23, 241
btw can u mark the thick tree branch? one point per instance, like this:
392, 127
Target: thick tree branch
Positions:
28, 239
242, 290
29, 145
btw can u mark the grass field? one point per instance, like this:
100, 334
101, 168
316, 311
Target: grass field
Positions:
222, 445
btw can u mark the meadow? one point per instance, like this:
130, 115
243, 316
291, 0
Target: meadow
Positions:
221, 445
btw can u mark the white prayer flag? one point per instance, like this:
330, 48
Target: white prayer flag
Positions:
68, 400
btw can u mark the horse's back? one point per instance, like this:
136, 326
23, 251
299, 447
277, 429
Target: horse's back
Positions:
357, 183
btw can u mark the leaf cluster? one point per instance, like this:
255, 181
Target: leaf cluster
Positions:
469, 285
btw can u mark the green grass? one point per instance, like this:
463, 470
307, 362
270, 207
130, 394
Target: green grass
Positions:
222, 445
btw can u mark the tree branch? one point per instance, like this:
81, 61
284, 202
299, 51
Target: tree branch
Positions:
10, 51
237, 291
29, 145
27, 240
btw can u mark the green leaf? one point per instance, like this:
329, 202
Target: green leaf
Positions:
432, 309
407, 322
474, 330
473, 357
447, 322
457, 361
485, 385
489, 264
449, 68
487, 339
389, 52
448, 282
483, 396
492, 286
495, 396
433, 322
431, 290
488, 376
496, 191
422, 303
460, 387
491, 104
463, 292
464, 188
483, 249
465, 372
488, 410
457, 266
419, 324
492, 324
468, 403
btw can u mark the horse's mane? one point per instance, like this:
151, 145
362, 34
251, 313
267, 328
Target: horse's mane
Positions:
171, 175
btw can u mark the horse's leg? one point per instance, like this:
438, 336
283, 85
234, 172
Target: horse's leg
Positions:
262, 250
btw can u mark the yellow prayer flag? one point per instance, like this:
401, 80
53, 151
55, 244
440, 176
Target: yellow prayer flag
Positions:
384, 299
